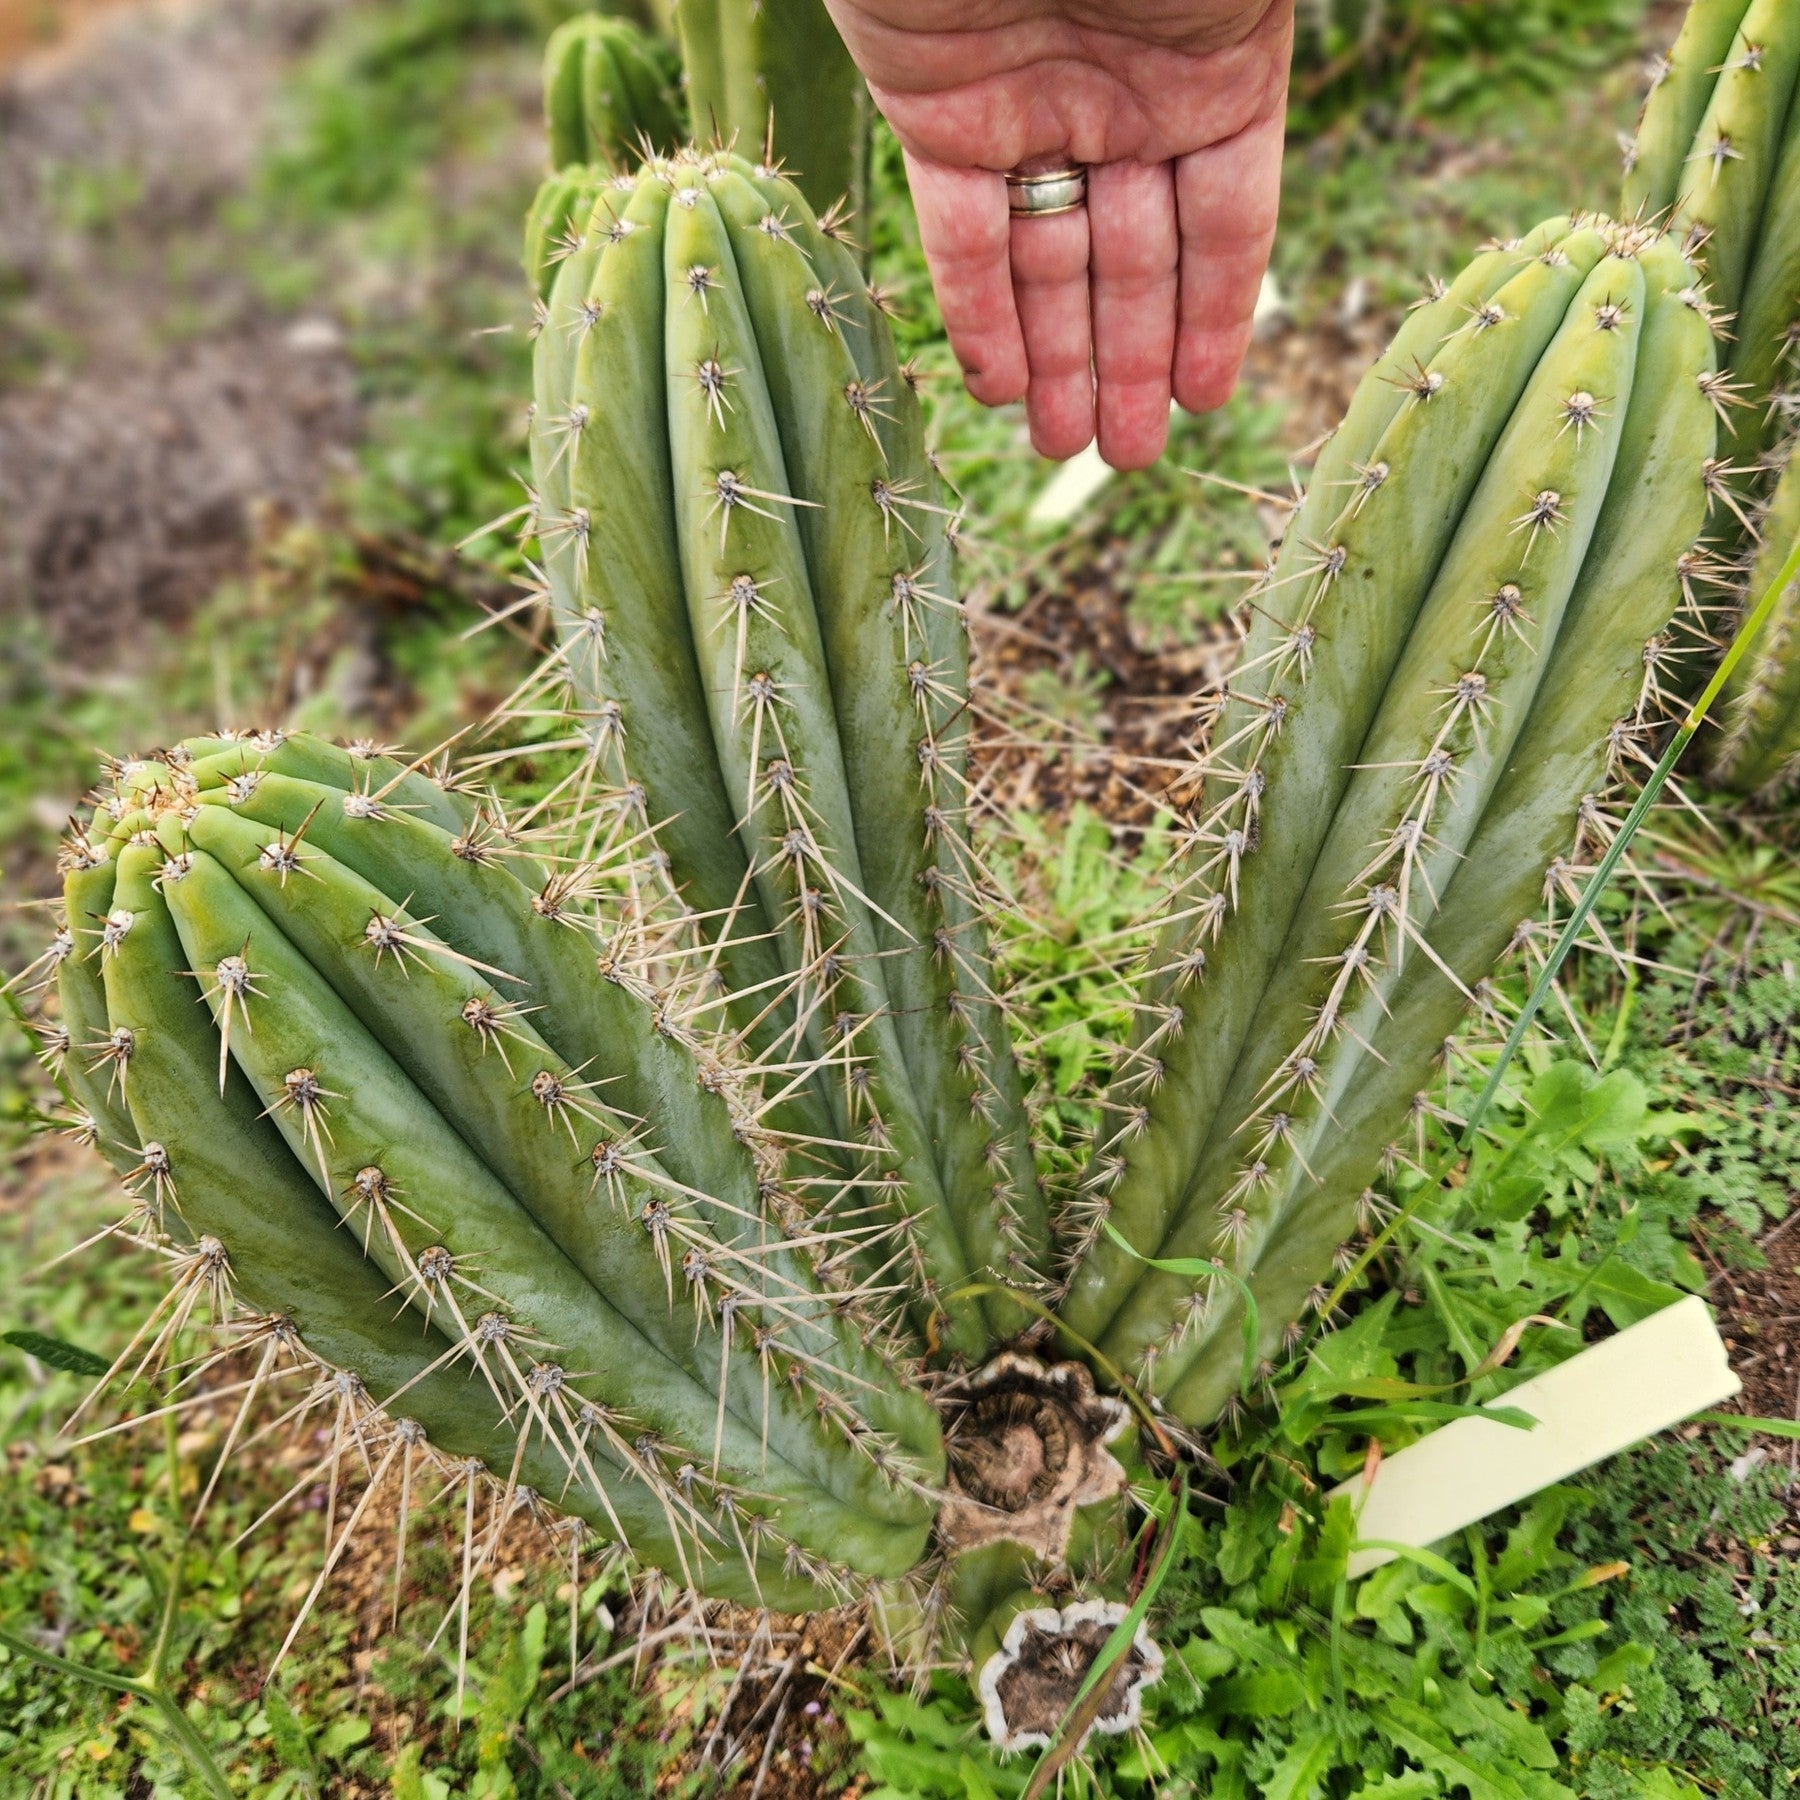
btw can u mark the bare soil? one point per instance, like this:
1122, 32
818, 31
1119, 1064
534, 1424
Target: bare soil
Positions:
146, 412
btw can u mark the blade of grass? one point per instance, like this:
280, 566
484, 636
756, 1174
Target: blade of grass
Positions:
1084, 1709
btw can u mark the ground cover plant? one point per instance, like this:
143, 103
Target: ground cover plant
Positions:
931, 1750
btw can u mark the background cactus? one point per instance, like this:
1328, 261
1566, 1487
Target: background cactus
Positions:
774, 76
611, 93
676, 1115
1758, 751
1717, 156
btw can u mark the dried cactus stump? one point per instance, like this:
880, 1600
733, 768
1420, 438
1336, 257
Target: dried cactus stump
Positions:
1027, 1445
1030, 1684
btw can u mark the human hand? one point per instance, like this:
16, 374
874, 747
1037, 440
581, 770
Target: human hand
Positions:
1096, 317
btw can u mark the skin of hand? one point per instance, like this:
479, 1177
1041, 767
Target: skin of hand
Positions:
1095, 318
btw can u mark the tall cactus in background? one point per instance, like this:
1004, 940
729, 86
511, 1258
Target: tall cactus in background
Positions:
611, 94
677, 1110
1758, 750
1717, 157
774, 74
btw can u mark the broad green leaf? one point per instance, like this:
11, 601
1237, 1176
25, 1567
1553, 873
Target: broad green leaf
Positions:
1425, 1559
70, 1358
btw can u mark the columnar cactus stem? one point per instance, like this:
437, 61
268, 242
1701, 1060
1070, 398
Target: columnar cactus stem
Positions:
1717, 156
1508, 499
646, 1314
610, 94
559, 214
774, 76
1759, 750
759, 614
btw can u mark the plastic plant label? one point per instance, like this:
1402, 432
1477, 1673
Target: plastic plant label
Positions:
1636, 1383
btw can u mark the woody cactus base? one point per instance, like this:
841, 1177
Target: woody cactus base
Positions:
658, 1149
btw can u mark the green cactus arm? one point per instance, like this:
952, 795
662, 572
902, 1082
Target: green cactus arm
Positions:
1595, 695
762, 68
899, 714
924, 623
288, 1258
612, 1029
614, 571
1719, 205
564, 67
399, 997
609, 93
1763, 335
656, 114
756, 630
484, 911
1424, 774
1347, 585
1758, 748
1422, 333
1681, 91
538, 1258
382, 785
658, 616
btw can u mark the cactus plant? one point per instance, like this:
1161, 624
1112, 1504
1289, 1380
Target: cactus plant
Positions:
563, 203
1454, 630
1717, 156
1758, 751
611, 94
677, 1112
774, 76
655, 16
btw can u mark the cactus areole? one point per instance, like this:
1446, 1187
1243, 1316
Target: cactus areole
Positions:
658, 1147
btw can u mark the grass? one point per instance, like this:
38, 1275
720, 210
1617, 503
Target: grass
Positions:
1530, 1663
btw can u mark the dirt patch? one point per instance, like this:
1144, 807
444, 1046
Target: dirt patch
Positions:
153, 407
38, 30
131, 494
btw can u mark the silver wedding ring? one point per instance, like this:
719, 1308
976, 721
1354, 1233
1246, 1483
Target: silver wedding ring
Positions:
1041, 193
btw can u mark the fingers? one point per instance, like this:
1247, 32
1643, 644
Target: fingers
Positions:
1227, 198
1135, 264
1095, 318
964, 229
1050, 287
